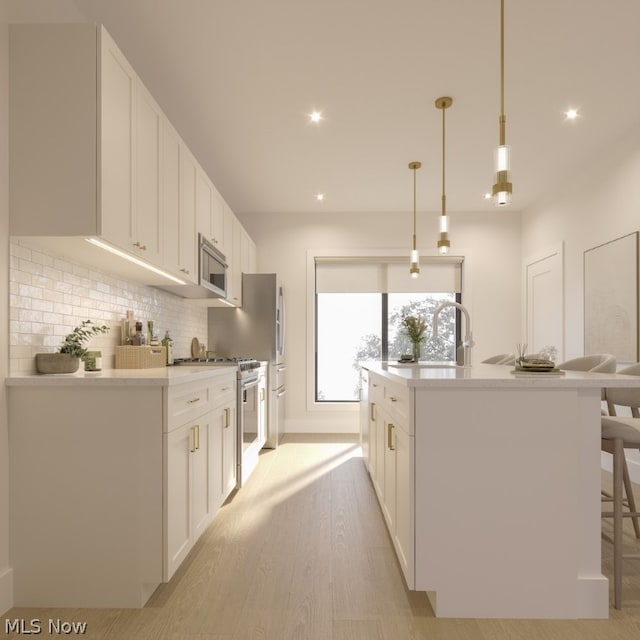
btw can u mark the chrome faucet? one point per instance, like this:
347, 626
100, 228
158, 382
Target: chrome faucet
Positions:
468, 342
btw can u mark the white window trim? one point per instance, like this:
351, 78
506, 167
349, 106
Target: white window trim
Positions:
312, 254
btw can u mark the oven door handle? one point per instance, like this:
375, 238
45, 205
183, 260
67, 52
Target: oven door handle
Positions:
247, 384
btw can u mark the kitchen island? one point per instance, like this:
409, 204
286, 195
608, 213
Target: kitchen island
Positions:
113, 478
489, 483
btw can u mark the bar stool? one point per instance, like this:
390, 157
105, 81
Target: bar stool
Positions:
597, 363
620, 433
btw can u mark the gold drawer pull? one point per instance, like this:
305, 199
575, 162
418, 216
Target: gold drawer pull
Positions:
193, 401
371, 416
192, 439
197, 428
185, 271
390, 429
393, 399
227, 417
142, 247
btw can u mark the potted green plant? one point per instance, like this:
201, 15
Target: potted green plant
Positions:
67, 359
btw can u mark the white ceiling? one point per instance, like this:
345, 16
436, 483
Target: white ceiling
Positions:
238, 79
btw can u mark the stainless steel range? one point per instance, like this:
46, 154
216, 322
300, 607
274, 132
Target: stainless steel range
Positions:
251, 432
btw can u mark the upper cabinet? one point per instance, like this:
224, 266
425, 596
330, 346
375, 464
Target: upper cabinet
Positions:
93, 156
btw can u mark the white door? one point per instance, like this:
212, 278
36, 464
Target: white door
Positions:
545, 303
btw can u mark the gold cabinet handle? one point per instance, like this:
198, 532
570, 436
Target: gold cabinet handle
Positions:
261, 395
390, 429
214, 240
193, 401
192, 438
371, 416
185, 271
197, 436
227, 417
142, 247
393, 399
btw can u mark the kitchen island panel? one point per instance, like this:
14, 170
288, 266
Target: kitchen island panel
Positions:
508, 503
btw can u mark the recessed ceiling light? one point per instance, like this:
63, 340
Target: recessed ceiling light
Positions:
315, 116
571, 114
319, 197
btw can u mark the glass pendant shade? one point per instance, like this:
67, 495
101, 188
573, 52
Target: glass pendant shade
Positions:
444, 224
502, 156
414, 268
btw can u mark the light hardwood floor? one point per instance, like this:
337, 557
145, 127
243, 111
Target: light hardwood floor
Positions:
302, 553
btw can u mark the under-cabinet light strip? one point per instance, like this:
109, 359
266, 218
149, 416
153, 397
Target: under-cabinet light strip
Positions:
130, 258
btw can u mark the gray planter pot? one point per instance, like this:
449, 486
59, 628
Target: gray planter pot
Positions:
56, 363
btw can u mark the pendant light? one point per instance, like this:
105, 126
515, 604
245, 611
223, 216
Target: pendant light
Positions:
443, 244
502, 188
414, 268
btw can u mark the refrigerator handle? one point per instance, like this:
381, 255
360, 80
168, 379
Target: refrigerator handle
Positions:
283, 316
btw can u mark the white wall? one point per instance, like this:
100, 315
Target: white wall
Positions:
600, 203
491, 242
6, 578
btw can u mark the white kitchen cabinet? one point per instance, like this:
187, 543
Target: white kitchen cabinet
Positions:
116, 107
124, 481
211, 215
93, 156
224, 442
178, 207
189, 467
227, 218
95, 138
234, 274
187, 237
386, 429
148, 222
200, 443
229, 465
365, 416
130, 170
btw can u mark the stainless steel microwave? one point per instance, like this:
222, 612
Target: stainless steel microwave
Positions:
212, 268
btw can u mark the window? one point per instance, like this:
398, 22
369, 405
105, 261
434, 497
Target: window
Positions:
359, 310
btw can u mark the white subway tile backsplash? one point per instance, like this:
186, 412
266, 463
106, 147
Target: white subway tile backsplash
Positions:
49, 296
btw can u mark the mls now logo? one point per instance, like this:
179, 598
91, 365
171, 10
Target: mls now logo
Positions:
34, 626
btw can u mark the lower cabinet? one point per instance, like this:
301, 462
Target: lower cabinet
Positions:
189, 508
200, 464
389, 448
111, 484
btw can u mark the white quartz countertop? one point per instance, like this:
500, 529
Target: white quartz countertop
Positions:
165, 376
492, 375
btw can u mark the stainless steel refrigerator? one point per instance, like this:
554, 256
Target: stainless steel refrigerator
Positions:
256, 330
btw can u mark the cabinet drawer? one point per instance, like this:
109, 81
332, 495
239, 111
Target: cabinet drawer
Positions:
376, 389
188, 401
224, 391
396, 401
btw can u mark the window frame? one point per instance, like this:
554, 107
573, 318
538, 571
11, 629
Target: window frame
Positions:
345, 412
384, 328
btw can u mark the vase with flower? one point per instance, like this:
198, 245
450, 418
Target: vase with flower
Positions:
415, 328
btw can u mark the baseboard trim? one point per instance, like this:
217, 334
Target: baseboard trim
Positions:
6, 590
